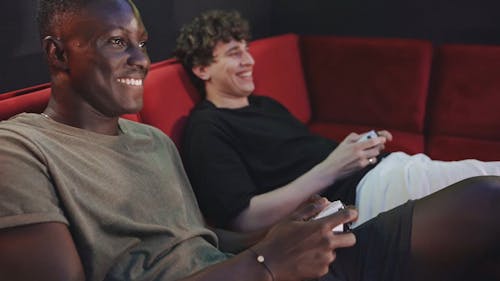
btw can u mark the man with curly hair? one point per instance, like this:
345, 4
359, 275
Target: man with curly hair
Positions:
197, 41
251, 162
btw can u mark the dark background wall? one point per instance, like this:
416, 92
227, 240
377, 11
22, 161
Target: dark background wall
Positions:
441, 21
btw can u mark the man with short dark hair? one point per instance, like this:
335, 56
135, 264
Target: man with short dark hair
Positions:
251, 162
86, 195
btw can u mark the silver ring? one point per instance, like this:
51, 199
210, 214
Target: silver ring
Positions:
371, 160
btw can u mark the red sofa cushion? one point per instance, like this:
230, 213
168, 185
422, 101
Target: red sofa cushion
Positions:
410, 143
278, 73
457, 148
464, 103
169, 96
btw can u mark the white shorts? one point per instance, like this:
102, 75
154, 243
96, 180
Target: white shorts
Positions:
400, 177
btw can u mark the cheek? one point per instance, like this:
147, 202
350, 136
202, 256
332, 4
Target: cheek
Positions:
230, 73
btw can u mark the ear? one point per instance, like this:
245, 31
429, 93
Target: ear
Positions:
56, 55
201, 72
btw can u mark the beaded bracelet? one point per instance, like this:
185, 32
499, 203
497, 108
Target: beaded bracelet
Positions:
260, 259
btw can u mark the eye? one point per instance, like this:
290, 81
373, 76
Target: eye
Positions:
237, 53
118, 42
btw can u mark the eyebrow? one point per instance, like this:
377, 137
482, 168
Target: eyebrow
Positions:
125, 30
232, 49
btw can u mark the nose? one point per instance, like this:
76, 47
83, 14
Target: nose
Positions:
247, 59
138, 57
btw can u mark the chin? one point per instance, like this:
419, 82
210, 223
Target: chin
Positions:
132, 107
248, 91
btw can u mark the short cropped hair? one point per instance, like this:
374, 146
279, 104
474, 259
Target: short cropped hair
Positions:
52, 14
197, 40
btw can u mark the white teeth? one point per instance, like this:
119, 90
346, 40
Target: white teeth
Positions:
130, 81
246, 74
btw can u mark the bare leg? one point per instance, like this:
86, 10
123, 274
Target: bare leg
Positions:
456, 232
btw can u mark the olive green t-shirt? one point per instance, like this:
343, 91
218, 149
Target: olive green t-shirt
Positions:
125, 198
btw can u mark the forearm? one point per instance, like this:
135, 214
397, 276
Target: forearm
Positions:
235, 242
43, 251
243, 267
268, 208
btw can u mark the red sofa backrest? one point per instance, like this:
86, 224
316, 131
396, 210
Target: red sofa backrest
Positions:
33, 100
278, 73
23, 91
169, 96
384, 79
364, 83
24, 101
338, 85
464, 103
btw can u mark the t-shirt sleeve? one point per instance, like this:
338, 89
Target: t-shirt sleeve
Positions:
217, 173
27, 194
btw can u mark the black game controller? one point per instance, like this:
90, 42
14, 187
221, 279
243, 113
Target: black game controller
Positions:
333, 207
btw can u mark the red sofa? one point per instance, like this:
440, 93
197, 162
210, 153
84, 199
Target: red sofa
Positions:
440, 100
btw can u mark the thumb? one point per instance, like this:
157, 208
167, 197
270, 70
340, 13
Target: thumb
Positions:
307, 211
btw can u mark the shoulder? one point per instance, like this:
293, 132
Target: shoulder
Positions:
204, 110
141, 130
20, 122
143, 135
21, 129
205, 116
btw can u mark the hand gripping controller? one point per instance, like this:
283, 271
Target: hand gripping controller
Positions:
333, 207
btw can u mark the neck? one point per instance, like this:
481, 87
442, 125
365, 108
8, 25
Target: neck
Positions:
226, 101
80, 118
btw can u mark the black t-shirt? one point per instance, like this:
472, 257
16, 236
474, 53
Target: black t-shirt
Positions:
231, 155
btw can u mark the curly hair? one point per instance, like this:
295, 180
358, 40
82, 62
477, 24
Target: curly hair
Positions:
197, 40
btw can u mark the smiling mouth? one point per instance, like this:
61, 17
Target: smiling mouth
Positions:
247, 74
130, 81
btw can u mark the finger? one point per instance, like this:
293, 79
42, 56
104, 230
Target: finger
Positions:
370, 155
370, 161
307, 211
372, 151
352, 137
381, 147
370, 143
386, 134
314, 198
343, 240
311, 200
341, 217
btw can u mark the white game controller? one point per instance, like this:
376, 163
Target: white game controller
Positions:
369, 135
333, 207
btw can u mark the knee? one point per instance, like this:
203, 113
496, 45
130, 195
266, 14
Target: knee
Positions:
483, 190
486, 183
